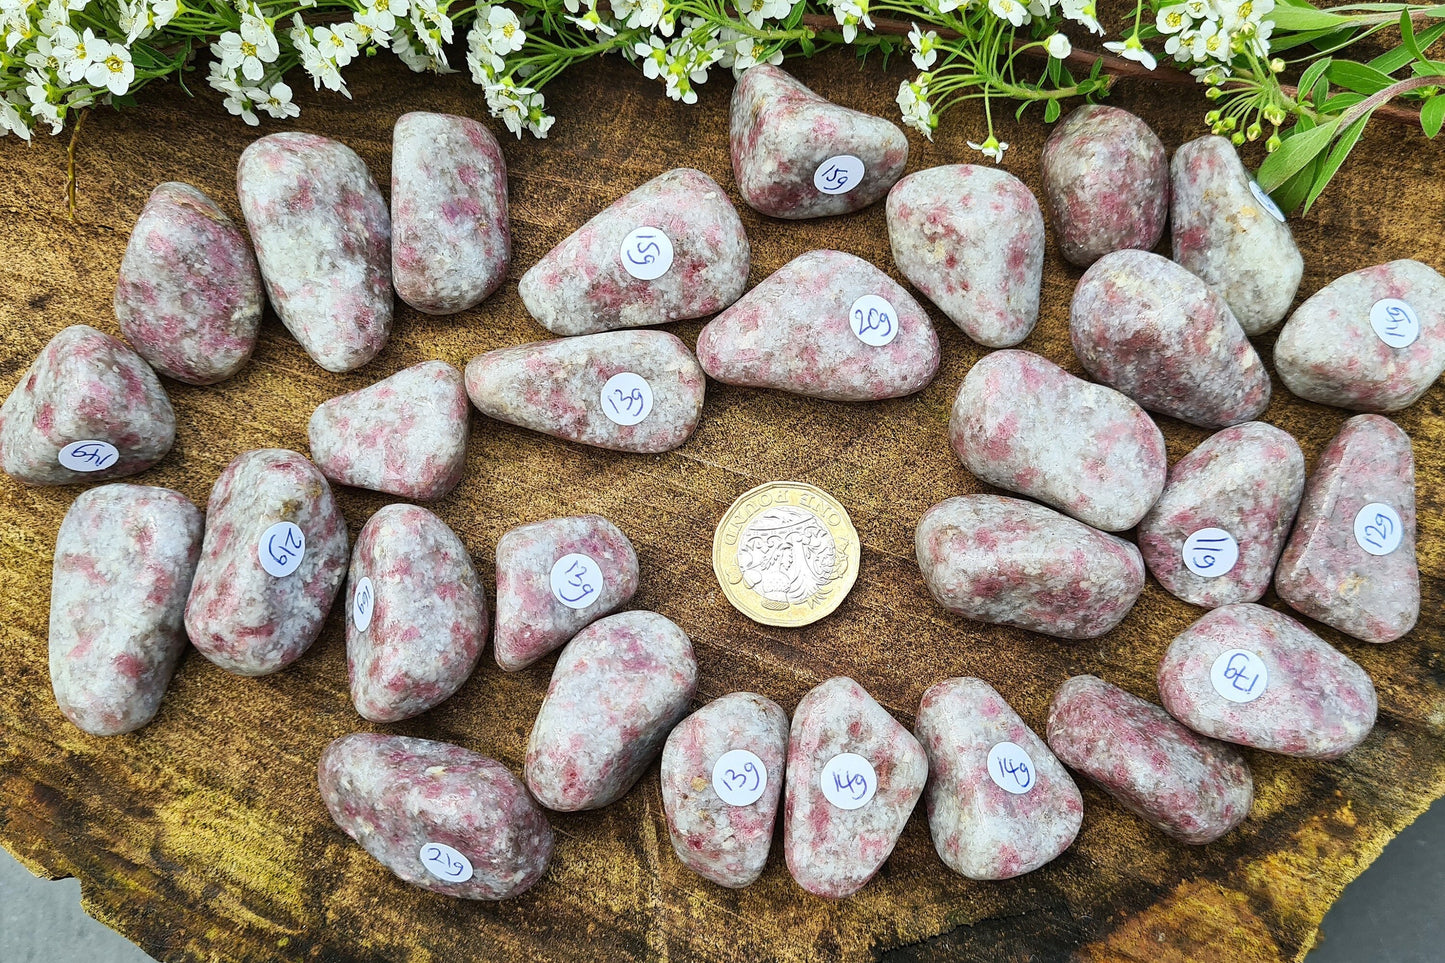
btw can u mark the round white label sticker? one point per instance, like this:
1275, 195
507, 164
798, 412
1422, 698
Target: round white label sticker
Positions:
626, 398
1210, 552
1378, 528
87, 456
1010, 768
281, 548
363, 601
445, 863
873, 320
576, 580
848, 781
1239, 675
1265, 201
646, 253
1395, 322
739, 778
838, 175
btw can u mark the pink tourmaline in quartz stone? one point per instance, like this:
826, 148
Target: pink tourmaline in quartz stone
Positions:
1373, 340
1244, 481
827, 325
725, 842
1334, 575
416, 615
618, 689
1144, 325
1106, 178
554, 578
189, 292
606, 274
323, 238
123, 564
439, 816
270, 511
1249, 675
999, 803
1011, 562
637, 391
1191, 787
833, 851
87, 409
796, 155
405, 435
451, 240
1024, 424
971, 238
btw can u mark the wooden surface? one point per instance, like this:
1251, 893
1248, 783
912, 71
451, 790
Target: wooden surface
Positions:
202, 836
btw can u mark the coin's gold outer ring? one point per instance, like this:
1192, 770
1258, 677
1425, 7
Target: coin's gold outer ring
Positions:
832, 515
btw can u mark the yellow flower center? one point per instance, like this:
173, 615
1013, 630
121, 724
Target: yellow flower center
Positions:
383, 5
114, 64
508, 30
248, 48
1175, 19
80, 51
1245, 9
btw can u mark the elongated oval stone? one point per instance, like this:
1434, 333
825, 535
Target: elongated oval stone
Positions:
638, 391
189, 292
1023, 423
1249, 675
1144, 325
323, 239
1011, 562
1350, 562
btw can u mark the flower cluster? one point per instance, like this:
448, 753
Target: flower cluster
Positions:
1214, 32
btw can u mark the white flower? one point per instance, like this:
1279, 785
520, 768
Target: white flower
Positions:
433, 28
924, 47
1201, 9
757, 11
991, 148
42, 109
592, 22
1058, 46
483, 61
654, 56
1040, 8
1234, 14
913, 103
1208, 41
250, 50
1083, 12
239, 103
338, 42
1213, 75
10, 120
112, 69
1173, 19
849, 14
1010, 10
43, 57
222, 80
1132, 49
380, 15
1180, 45
276, 101
948, 6
76, 52
504, 30
416, 60
649, 13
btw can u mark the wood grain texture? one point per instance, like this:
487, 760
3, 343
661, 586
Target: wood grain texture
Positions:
202, 836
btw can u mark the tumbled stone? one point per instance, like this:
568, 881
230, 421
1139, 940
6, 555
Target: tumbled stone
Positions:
797, 155
971, 238
87, 409
854, 776
1249, 675
189, 293
637, 391
124, 558
827, 325
1193, 788
323, 239
1023, 423
722, 775
1373, 340
672, 249
1011, 562
1106, 178
619, 687
999, 803
440, 817
1144, 325
405, 435
1229, 233
554, 578
272, 562
1215, 534
1350, 562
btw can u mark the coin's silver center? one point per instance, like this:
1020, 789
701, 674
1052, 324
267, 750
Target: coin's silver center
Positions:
787, 555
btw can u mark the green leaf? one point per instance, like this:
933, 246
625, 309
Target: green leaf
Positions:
1019, 114
1393, 60
1432, 115
1358, 77
1052, 110
1054, 71
1341, 103
1342, 149
1295, 153
1306, 18
1320, 92
1315, 71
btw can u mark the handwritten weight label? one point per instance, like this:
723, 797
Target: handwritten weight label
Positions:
576, 580
838, 174
1378, 528
626, 398
363, 603
88, 456
445, 863
739, 777
1210, 552
873, 320
646, 253
1011, 768
281, 549
1239, 675
1395, 322
848, 781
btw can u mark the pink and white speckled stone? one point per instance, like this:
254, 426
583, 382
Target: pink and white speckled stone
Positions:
723, 843
323, 238
1193, 788
405, 435
84, 386
123, 565
555, 387
1329, 352
1144, 325
189, 292
1224, 234
238, 615
980, 829
1023, 423
425, 623
451, 240
1247, 481
831, 851
582, 287
618, 689
793, 332
395, 795
1011, 562
1106, 178
971, 238
531, 620
781, 132
1324, 573
1315, 702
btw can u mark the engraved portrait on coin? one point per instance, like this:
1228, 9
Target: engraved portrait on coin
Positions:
787, 556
